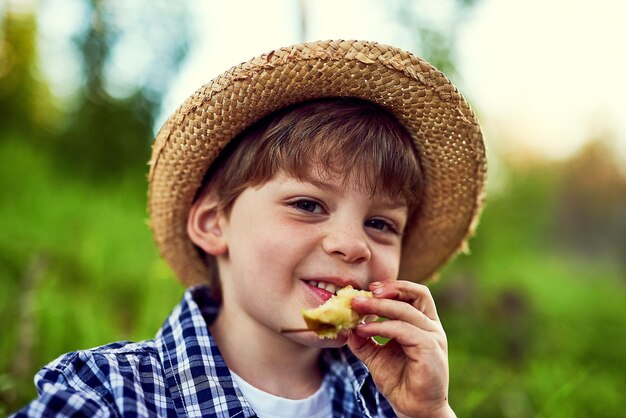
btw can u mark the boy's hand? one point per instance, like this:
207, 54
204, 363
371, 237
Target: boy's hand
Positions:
411, 370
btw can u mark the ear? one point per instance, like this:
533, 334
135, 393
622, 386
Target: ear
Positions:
204, 225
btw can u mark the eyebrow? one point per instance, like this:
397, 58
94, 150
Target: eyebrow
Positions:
395, 205
320, 184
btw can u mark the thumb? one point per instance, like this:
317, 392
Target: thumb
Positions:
364, 348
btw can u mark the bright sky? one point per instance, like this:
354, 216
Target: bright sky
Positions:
543, 74
551, 70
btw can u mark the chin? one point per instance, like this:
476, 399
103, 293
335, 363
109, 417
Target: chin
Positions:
313, 340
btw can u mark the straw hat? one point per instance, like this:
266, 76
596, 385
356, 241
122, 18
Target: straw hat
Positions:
446, 134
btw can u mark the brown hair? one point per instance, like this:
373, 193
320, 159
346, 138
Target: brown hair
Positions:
321, 138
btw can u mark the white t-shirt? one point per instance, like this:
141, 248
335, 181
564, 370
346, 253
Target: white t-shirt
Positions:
267, 405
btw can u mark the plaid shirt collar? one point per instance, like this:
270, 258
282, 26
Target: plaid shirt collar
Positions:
200, 382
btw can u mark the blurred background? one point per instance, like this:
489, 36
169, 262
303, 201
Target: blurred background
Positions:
535, 315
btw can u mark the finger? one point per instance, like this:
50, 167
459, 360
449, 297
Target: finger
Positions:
403, 333
364, 347
395, 310
415, 294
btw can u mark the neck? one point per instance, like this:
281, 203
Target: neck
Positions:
266, 359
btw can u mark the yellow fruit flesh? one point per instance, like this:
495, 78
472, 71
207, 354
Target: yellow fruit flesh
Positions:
335, 314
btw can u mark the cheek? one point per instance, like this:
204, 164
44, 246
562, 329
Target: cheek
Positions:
388, 264
268, 247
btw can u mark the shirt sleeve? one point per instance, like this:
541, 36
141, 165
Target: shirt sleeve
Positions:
62, 394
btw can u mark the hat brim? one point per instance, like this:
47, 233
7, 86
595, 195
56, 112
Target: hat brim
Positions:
444, 129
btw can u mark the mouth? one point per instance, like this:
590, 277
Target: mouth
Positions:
329, 287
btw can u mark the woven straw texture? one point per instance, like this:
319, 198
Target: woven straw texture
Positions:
446, 134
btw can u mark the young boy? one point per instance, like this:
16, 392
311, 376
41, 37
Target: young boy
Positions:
295, 174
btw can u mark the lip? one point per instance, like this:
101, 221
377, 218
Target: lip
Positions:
339, 282
316, 295
319, 295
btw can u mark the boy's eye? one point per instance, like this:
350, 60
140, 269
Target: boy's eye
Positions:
307, 205
381, 225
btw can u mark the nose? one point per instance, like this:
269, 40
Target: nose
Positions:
349, 243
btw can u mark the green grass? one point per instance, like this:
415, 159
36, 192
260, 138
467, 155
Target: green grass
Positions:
94, 273
545, 341
533, 333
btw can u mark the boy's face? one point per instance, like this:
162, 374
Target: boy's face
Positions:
291, 244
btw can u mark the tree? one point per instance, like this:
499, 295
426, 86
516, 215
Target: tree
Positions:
434, 29
24, 99
110, 130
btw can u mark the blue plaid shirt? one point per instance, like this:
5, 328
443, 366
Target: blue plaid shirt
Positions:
180, 373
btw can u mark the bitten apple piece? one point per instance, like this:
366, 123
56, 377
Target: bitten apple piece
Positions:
335, 314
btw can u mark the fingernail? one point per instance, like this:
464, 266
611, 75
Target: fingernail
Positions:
377, 291
368, 319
